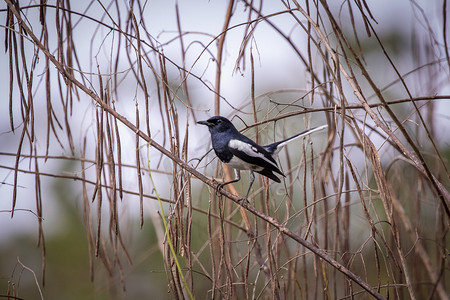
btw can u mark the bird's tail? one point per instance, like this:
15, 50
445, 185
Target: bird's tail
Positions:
276, 147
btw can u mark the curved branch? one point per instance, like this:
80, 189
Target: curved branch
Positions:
283, 229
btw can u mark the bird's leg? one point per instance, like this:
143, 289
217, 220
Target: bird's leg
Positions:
237, 174
252, 179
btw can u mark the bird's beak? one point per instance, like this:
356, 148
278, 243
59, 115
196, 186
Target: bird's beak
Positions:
204, 123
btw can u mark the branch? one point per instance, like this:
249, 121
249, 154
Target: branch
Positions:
283, 229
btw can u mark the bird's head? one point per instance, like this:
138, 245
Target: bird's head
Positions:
218, 124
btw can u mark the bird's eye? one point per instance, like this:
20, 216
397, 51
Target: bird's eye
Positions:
219, 121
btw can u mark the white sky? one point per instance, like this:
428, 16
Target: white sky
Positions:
276, 66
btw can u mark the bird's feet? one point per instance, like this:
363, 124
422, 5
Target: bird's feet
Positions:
219, 187
243, 200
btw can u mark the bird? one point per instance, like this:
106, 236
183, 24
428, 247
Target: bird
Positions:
241, 153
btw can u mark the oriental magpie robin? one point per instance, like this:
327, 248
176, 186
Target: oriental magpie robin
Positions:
241, 153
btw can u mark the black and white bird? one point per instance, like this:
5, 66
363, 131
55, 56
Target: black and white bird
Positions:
241, 153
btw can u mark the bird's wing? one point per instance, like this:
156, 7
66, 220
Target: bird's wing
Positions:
255, 155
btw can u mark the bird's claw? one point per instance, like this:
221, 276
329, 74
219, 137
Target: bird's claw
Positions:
243, 200
219, 187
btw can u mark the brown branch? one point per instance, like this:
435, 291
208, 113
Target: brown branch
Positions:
105, 107
414, 155
129, 192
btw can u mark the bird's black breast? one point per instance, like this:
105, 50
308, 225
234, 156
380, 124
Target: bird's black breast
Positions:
220, 144
225, 156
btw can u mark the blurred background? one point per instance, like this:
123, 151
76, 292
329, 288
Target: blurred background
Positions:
81, 218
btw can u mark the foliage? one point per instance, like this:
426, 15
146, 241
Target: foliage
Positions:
99, 128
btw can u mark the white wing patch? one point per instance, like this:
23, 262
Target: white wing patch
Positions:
248, 150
